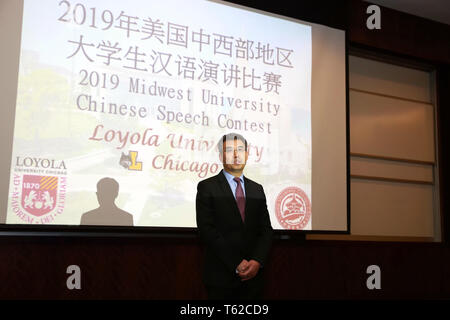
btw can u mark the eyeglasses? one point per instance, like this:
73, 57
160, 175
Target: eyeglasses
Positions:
231, 150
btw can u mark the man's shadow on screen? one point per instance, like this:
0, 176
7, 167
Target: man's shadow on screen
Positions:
107, 213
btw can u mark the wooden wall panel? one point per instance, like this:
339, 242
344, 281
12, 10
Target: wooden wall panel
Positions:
389, 79
390, 127
379, 168
164, 269
382, 208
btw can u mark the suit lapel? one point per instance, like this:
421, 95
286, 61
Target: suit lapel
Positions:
249, 196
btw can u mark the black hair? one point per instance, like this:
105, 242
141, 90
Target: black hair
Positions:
230, 137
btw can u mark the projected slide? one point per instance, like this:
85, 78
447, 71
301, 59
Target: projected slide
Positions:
120, 105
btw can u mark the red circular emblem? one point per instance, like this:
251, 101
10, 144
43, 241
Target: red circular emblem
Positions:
293, 208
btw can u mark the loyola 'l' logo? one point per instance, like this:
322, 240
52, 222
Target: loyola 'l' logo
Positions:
134, 164
129, 161
39, 194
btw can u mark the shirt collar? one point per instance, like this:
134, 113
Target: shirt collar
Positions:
230, 177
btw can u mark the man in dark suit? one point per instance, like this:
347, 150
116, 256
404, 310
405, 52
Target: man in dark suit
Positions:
234, 225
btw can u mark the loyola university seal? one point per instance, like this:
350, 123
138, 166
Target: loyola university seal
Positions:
37, 198
39, 194
293, 208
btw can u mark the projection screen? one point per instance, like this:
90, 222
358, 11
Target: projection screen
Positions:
140, 92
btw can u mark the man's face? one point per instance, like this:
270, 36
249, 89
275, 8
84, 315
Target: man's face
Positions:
234, 156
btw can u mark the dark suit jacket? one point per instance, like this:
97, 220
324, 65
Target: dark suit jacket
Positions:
227, 239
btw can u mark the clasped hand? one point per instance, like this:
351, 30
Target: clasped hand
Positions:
248, 269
